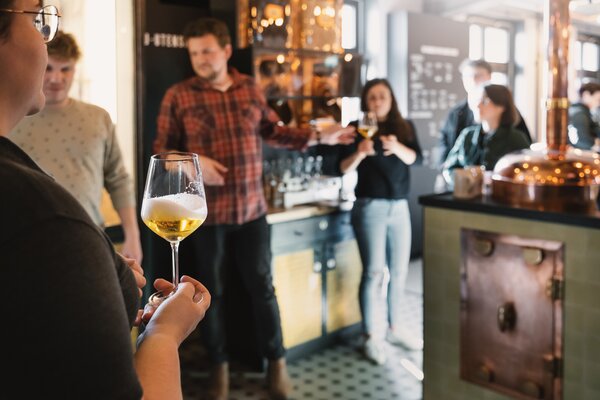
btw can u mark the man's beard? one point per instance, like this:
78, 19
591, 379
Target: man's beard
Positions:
210, 76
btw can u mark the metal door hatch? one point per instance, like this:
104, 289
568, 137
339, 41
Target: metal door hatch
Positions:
512, 291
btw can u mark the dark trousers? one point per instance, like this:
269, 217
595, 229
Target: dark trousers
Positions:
248, 247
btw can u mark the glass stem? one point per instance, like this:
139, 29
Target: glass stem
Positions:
175, 259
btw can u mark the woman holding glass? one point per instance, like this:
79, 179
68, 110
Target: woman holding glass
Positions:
494, 136
380, 216
70, 300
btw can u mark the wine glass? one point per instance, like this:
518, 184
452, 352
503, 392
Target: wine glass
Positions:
174, 203
367, 124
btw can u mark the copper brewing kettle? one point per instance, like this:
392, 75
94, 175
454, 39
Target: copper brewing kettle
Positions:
555, 177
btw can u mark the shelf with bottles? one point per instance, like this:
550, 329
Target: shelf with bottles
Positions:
304, 86
290, 24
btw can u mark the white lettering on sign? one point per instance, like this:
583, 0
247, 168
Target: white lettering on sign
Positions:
440, 51
168, 40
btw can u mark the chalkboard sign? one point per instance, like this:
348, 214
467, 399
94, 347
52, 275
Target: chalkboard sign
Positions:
424, 53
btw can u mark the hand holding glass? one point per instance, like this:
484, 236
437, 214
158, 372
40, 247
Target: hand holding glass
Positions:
174, 203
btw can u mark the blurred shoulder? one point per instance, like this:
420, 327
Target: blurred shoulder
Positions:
89, 107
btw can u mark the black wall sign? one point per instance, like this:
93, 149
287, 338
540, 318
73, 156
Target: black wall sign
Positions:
424, 53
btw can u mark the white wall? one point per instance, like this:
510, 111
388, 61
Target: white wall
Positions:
376, 31
104, 30
125, 46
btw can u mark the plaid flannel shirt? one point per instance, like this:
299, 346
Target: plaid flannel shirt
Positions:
228, 127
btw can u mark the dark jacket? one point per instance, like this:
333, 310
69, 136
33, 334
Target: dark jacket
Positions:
474, 147
66, 325
583, 130
460, 117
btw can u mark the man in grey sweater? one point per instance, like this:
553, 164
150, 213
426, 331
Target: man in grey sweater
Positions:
75, 142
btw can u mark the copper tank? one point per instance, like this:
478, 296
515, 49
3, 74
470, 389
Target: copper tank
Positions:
556, 177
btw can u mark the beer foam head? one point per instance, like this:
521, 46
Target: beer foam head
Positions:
174, 206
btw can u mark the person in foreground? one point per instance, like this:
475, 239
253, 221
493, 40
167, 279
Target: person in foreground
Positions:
380, 216
223, 116
496, 135
75, 142
72, 301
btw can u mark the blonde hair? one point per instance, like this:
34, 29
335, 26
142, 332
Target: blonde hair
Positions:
64, 46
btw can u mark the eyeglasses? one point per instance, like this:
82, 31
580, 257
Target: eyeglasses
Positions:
46, 20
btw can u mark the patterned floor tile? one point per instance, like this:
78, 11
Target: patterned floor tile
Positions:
339, 372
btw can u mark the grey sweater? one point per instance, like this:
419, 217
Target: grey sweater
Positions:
77, 146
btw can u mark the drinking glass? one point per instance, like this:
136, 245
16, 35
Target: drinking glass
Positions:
367, 124
174, 203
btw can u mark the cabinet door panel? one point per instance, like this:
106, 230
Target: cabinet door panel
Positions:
299, 292
342, 286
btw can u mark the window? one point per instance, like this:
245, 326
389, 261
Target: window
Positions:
586, 59
492, 42
475, 44
589, 56
349, 27
496, 45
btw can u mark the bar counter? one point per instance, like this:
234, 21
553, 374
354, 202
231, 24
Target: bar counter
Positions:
316, 272
279, 215
446, 220
487, 205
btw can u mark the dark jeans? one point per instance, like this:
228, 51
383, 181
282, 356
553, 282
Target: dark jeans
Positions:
248, 247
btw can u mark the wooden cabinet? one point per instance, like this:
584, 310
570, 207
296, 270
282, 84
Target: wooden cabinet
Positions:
342, 280
299, 292
316, 268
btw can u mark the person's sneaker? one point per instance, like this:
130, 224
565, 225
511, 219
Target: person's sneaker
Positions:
374, 351
401, 337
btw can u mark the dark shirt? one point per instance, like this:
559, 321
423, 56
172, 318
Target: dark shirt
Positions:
474, 147
460, 117
583, 130
228, 127
379, 176
69, 299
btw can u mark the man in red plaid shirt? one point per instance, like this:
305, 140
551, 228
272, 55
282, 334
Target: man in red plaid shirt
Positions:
223, 116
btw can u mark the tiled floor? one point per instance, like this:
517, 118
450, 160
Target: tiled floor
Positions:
339, 372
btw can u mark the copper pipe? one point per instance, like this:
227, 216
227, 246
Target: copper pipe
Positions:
557, 178
557, 105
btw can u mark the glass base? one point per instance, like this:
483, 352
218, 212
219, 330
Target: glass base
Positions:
157, 298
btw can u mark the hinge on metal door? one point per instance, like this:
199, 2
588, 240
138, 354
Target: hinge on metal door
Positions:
553, 365
556, 289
